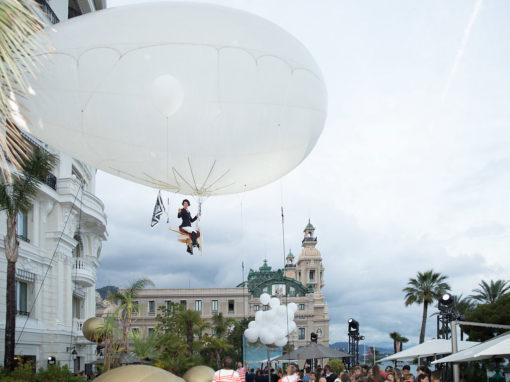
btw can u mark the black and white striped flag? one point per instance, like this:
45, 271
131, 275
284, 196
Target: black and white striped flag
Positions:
159, 209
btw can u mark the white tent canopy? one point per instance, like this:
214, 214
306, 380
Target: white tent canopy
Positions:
496, 347
428, 349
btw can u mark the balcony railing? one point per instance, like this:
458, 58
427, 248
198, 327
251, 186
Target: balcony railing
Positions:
51, 181
46, 8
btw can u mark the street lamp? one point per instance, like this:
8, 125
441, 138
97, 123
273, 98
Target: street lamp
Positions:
74, 354
354, 337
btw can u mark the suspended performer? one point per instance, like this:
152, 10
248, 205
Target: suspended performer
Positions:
186, 227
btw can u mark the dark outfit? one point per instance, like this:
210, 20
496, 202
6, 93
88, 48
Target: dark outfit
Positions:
186, 218
185, 215
331, 377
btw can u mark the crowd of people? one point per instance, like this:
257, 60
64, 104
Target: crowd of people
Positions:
293, 374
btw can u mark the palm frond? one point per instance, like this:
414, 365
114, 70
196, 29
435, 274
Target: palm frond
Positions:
20, 43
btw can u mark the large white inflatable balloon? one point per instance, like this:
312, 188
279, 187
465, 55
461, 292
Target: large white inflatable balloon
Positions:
190, 97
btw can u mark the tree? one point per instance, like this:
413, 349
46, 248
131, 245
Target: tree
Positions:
108, 331
18, 47
16, 195
189, 320
426, 288
398, 341
127, 308
489, 293
145, 347
235, 337
497, 312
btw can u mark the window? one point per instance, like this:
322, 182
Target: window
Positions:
150, 331
135, 331
152, 308
23, 226
265, 307
21, 298
312, 275
184, 304
77, 307
301, 306
168, 304
231, 306
301, 335
214, 306
213, 332
256, 308
136, 307
198, 305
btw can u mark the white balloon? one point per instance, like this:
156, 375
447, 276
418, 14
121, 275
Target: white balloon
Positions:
265, 298
259, 316
282, 311
274, 302
293, 307
267, 338
192, 97
292, 327
251, 324
167, 94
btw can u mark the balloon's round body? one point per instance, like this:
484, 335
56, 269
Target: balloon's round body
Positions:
199, 374
92, 329
138, 373
189, 97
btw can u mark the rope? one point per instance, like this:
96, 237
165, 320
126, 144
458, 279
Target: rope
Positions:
75, 274
284, 264
48, 269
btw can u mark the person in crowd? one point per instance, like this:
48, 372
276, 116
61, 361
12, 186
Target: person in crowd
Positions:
226, 374
260, 377
377, 375
406, 369
408, 377
356, 372
391, 377
323, 379
250, 375
312, 377
422, 377
306, 377
328, 373
291, 374
435, 376
242, 370
300, 376
364, 370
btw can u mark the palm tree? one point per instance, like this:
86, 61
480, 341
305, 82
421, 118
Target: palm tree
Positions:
18, 47
398, 341
17, 195
108, 332
144, 346
189, 320
489, 293
222, 325
426, 288
127, 308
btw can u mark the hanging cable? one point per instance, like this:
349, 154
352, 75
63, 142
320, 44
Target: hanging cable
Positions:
76, 264
49, 266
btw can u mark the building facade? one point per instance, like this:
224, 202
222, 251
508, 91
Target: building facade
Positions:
60, 244
300, 282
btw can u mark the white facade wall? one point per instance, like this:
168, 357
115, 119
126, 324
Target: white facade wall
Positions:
54, 272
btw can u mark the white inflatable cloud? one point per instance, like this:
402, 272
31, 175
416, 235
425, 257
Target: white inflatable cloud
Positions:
274, 325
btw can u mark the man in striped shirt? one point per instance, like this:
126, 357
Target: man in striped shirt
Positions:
242, 371
226, 374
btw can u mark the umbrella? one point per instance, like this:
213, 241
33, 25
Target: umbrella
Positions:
313, 350
427, 349
497, 347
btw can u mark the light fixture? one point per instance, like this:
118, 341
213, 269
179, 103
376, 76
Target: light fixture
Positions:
353, 325
52, 360
74, 354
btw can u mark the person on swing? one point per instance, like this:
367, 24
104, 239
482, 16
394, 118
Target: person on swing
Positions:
185, 215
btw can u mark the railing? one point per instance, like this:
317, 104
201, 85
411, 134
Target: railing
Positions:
51, 181
23, 275
48, 11
23, 238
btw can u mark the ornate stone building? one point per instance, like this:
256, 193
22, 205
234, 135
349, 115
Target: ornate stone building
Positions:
60, 244
300, 283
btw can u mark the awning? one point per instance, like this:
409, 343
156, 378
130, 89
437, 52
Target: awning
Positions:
428, 349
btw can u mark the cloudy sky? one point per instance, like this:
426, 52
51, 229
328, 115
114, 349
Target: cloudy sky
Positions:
411, 173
